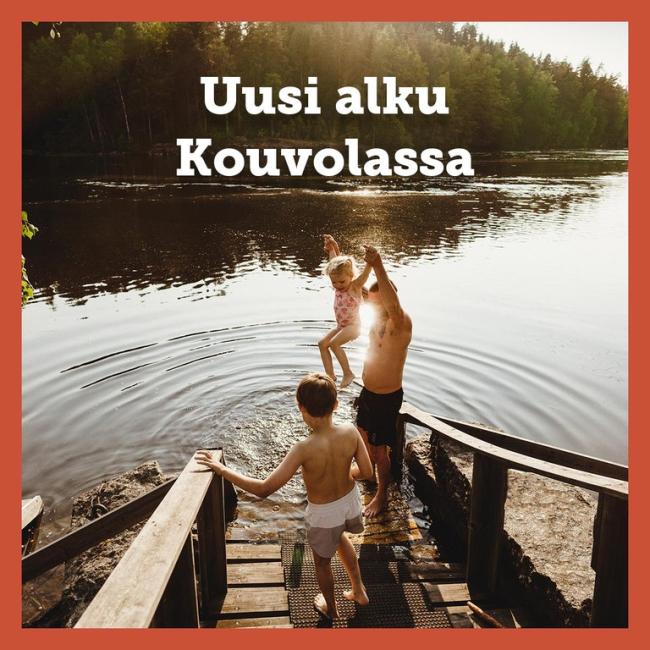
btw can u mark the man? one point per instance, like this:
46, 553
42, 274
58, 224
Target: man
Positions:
381, 397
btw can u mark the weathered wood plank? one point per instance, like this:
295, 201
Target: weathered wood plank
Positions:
234, 535
260, 573
443, 567
514, 460
179, 606
32, 513
212, 546
131, 594
596, 531
539, 450
253, 552
489, 491
251, 601
394, 524
447, 593
94, 532
271, 621
610, 602
460, 616
390, 537
31, 508
433, 571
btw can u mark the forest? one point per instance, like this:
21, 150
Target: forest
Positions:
135, 87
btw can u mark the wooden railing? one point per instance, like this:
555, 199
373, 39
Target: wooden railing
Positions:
154, 584
494, 454
95, 531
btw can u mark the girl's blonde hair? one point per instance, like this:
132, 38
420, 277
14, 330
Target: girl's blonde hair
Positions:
341, 264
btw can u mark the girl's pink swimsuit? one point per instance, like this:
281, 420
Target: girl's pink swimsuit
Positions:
346, 308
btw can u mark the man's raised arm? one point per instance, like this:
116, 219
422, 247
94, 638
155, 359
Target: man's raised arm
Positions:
386, 291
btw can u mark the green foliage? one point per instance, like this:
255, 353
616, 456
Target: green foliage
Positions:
107, 86
26, 286
28, 231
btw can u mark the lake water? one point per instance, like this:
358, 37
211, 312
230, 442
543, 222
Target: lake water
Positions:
172, 314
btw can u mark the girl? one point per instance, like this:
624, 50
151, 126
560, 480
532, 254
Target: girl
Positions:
348, 295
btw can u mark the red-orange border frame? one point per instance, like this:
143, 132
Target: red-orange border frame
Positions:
336, 10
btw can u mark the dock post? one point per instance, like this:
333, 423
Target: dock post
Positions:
179, 605
212, 547
488, 497
609, 560
397, 452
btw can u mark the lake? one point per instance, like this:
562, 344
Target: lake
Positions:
172, 313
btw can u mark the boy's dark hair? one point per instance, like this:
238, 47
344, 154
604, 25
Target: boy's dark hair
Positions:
317, 393
375, 286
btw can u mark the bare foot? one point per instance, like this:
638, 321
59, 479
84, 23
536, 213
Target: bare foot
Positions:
360, 597
321, 607
347, 379
332, 376
376, 506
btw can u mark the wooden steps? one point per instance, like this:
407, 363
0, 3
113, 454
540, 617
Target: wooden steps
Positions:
275, 621
259, 597
256, 593
253, 601
264, 593
259, 574
253, 552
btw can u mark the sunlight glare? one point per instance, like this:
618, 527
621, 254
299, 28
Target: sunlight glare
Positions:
367, 315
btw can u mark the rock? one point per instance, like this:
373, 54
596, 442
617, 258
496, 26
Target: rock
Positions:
548, 529
85, 574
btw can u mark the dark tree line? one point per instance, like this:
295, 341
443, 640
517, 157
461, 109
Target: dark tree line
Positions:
131, 86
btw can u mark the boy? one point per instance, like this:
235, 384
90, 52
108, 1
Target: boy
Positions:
333, 503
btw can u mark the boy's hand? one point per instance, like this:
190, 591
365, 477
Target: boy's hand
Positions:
372, 255
206, 458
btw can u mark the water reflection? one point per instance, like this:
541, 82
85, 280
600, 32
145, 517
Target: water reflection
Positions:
170, 316
184, 233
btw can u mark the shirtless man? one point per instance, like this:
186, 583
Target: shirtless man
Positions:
381, 397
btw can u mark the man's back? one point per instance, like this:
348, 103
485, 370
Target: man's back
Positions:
327, 458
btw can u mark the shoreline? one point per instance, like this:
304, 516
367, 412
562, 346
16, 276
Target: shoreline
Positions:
547, 543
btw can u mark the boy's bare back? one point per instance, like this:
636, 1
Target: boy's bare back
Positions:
326, 461
334, 507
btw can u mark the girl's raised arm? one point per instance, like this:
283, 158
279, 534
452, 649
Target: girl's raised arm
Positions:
331, 246
360, 280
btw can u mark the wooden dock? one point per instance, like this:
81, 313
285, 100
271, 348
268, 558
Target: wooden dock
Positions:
256, 593
195, 576
273, 583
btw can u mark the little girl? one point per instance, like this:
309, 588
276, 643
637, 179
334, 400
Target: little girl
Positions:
348, 295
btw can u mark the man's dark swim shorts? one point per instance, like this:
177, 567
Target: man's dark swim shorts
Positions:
377, 415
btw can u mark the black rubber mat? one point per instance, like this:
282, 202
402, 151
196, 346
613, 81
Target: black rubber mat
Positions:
298, 573
404, 605
393, 602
